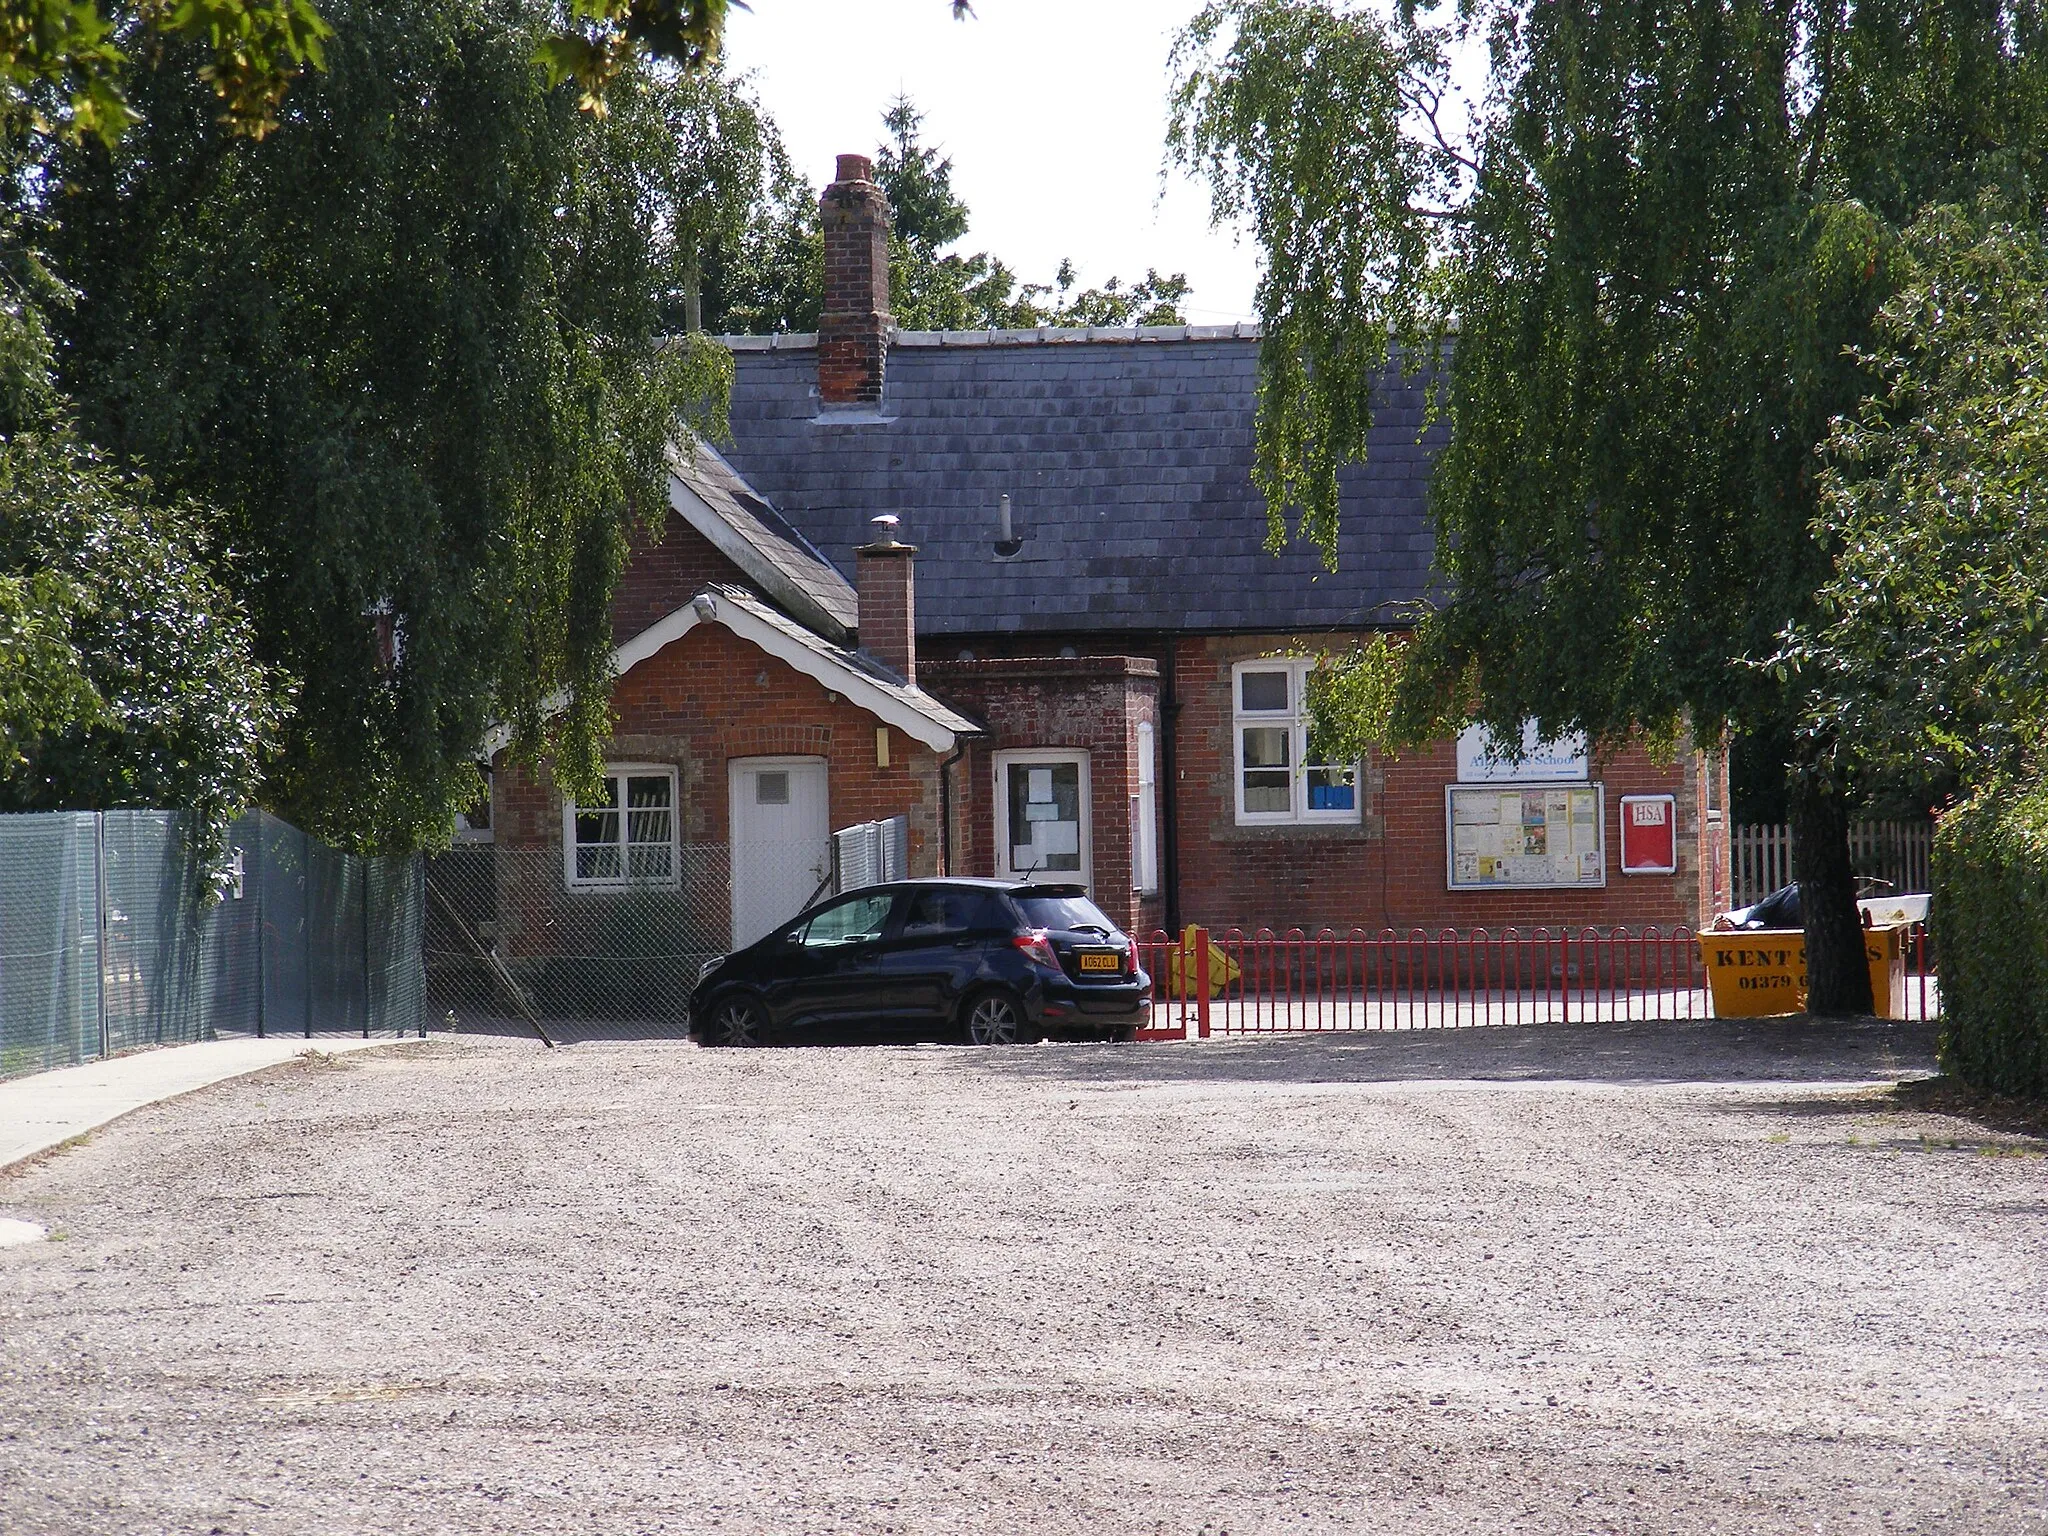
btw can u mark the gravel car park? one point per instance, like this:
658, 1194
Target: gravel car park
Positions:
1671, 1279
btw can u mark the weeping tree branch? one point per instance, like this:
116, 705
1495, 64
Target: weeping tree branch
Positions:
1301, 117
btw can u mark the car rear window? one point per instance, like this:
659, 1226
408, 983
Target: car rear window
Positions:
1070, 912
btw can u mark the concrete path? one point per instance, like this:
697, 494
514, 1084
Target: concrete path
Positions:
48, 1109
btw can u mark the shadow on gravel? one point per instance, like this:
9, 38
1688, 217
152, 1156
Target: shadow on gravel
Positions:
1707, 1051
562, 1031
654, 1031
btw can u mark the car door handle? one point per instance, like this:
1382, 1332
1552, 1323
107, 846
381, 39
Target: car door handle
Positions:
963, 943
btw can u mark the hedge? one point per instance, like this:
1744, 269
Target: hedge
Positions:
1990, 921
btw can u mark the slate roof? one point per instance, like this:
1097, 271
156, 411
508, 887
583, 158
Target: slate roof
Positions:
725, 509
852, 663
1127, 457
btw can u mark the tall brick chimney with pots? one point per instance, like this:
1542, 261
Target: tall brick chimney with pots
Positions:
853, 330
885, 584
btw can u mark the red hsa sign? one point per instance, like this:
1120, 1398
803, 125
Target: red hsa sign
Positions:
1649, 835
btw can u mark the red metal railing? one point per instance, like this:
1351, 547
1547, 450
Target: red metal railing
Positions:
1922, 981
1236, 983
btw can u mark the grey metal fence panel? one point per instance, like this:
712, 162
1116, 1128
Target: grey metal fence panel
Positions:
231, 933
49, 941
336, 961
115, 933
394, 942
150, 932
287, 998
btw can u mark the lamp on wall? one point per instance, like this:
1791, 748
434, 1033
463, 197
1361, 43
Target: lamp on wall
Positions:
706, 606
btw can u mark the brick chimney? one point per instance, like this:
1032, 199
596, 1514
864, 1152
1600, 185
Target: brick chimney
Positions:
885, 583
853, 330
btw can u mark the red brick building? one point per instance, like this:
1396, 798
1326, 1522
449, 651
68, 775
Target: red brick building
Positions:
1064, 651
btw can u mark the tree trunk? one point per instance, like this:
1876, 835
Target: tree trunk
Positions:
693, 299
1837, 975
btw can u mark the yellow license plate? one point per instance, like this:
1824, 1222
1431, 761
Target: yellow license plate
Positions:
1102, 963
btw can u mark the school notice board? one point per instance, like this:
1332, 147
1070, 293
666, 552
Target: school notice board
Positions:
1525, 836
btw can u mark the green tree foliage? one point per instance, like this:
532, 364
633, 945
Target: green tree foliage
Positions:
1152, 300
710, 167
923, 208
929, 289
771, 276
128, 674
412, 344
1297, 112
62, 62
1927, 655
1990, 919
1662, 241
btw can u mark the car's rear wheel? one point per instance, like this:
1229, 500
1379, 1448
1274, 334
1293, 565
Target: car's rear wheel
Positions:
736, 1021
994, 1018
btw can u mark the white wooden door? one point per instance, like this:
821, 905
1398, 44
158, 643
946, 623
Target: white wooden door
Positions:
781, 841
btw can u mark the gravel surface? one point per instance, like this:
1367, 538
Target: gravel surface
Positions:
1679, 1279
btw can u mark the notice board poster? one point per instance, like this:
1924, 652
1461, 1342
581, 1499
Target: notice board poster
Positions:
1525, 836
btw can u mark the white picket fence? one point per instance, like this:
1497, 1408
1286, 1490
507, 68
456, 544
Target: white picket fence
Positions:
1892, 851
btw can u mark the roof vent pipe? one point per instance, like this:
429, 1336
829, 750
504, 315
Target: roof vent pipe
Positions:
1007, 542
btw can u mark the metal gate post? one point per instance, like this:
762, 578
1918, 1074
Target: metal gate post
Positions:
366, 946
99, 946
262, 969
1201, 936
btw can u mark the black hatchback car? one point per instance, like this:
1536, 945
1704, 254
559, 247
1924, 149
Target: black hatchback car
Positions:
995, 960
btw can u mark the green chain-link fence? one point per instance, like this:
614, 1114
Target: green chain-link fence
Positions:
110, 939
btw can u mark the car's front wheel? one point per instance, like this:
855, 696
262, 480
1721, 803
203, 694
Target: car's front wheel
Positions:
994, 1018
736, 1021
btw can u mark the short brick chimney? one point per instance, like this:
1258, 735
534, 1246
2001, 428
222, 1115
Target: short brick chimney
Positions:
853, 330
885, 583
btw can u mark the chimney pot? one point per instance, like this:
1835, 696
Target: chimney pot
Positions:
855, 168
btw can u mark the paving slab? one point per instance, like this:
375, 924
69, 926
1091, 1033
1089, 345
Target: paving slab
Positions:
48, 1109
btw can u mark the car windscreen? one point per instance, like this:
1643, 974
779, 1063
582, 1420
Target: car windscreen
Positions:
1074, 913
856, 920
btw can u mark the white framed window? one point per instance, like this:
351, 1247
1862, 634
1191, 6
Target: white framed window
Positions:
628, 836
1043, 825
1145, 816
1281, 778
